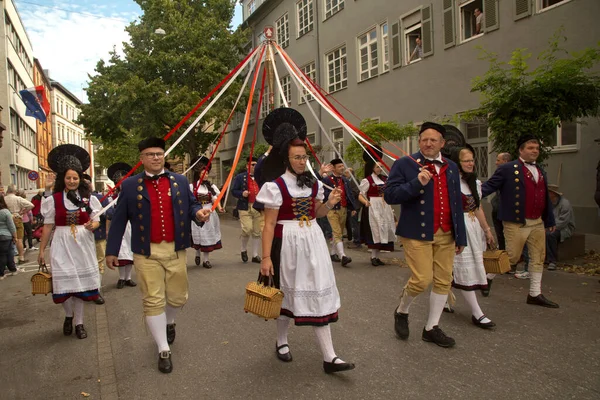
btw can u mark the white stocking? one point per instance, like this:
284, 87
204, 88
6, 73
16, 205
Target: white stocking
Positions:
340, 249
323, 334
245, 243
205, 256
436, 307
490, 276
128, 270
198, 253
78, 310
158, 328
171, 313
405, 302
256, 242
471, 299
535, 284
332, 248
122, 273
374, 253
68, 307
283, 326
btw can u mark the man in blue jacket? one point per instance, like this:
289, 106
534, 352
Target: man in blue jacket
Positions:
159, 205
431, 227
525, 211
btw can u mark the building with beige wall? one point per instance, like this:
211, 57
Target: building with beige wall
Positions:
44, 129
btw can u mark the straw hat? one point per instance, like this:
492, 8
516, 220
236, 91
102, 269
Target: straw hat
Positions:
554, 188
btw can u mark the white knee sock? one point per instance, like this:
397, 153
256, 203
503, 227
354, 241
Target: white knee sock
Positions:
436, 307
323, 334
256, 242
68, 307
122, 273
471, 299
198, 253
332, 248
245, 243
205, 256
374, 253
340, 249
78, 310
405, 302
535, 284
490, 276
171, 313
158, 328
283, 326
128, 270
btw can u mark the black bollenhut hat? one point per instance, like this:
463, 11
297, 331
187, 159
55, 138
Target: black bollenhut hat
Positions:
287, 123
434, 126
151, 142
526, 138
198, 166
68, 156
117, 171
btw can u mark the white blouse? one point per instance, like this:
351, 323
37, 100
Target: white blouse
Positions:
271, 196
48, 209
202, 189
364, 184
466, 190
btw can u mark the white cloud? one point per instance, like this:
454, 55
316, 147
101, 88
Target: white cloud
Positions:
69, 45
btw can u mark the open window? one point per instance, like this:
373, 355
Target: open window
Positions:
544, 4
413, 44
338, 140
470, 14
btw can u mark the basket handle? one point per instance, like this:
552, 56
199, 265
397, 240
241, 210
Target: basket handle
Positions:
43, 268
493, 246
265, 280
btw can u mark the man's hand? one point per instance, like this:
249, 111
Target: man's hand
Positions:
112, 262
424, 176
326, 169
245, 193
552, 229
459, 249
203, 215
353, 213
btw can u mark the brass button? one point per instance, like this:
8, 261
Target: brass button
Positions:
139, 205
517, 204
182, 234
180, 212
422, 212
423, 235
421, 191
172, 178
422, 223
181, 224
517, 188
517, 211
140, 216
140, 180
139, 196
517, 196
517, 180
175, 184
179, 202
178, 193
518, 219
516, 172
515, 165
139, 188
142, 239
422, 201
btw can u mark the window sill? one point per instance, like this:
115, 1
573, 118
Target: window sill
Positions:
304, 34
367, 79
543, 10
413, 62
339, 90
472, 38
333, 15
565, 149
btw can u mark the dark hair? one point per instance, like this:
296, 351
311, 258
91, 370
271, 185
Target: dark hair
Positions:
2, 203
469, 177
83, 189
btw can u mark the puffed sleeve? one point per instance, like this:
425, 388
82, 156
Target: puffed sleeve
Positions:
364, 186
48, 211
270, 195
479, 192
96, 207
320, 191
216, 189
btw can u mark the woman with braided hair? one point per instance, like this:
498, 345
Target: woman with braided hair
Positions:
206, 238
70, 212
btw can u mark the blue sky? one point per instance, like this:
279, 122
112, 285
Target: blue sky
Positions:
70, 36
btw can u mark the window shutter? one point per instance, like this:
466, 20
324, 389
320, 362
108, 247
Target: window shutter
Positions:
396, 51
522, 9
490, 15
427, 30
448, 13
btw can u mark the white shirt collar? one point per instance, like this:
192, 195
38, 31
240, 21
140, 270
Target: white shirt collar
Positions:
149, 174
525, 162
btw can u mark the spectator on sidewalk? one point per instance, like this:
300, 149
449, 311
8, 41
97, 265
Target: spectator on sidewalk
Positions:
8, 236
28, 228
502, 158
565, 225
17, 206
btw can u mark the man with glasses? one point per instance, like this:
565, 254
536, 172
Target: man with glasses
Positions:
245, 188
159, 205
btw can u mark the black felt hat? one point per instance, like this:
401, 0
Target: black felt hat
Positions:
86, 177
151, 142
336, 161
369, 153
434, 126
198, 166
68, 156
289, 118
526, 138
117, 171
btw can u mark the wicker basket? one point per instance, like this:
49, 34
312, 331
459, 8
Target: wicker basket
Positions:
41, 281
496, 261
264, 301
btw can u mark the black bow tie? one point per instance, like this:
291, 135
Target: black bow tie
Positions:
156, 177
530, 163
434, 162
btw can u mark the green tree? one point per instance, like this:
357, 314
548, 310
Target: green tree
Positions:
158, 79
517, 100
380, 132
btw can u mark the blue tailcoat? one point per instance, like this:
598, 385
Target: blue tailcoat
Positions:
416, 216
100, 233
134, 206
508, 179
350, 200
238, 186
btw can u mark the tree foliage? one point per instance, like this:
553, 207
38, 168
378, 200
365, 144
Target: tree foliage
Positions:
158, 79
380, 132
517, 100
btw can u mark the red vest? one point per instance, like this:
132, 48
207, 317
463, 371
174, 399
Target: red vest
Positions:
339, 183
294, 208
375, 190
441, 200
161, 210
252, 189
203, 198
535, 194
64, 217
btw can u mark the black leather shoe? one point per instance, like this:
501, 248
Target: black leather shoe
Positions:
197, 260
99, 300
130, 283
486, 292
335, 258
120, 283
164, 362
170, 333
448, 308
244, 256
437, 336
287, 357
540, 300
331, 367
346, 260
80, 332
483, 325
374, 262
256, 260
401, 325
207, 264
379, 262
68, 326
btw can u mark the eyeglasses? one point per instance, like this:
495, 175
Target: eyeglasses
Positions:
299, 158
467, 161
154, 155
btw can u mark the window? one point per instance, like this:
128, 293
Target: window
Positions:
413, 45
311, 138
305, 16
367, 49
311, 72
385, 47
261, 39
286, 86
251, 6
337, 70
264, 107
565, 136
471, 19
543, 4
338, 141
332, 7
476, 130
476, 134
11, 76
283, 31
481, 160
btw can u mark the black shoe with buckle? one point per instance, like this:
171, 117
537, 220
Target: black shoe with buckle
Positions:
164, 362
540, 300
379, 262
346, 260
286, 357
331, 367
483, 325
80, 332
335, 258
120, 283
437, 336
170, 333
256, 260
401, 325
207, 264
486, 292
197, 260
68, 326
374, 262
244, 256
99, 300
130, 283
